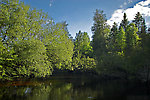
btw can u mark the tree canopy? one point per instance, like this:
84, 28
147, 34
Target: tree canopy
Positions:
33, 45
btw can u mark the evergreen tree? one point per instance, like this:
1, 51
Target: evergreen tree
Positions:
132, 39
138, 20
100, 30
121, 40
83, 52
112, 37
143, 26
82, 44
124, 23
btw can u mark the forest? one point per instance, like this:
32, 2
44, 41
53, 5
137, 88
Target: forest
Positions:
33, 45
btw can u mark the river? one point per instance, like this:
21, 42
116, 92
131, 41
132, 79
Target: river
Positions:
72, 88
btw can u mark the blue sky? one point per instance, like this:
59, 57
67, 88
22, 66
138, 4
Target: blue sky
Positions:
79, 13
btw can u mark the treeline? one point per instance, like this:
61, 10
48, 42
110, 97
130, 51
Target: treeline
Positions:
122, 51
33, 45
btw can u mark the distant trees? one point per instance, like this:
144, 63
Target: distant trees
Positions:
120, 51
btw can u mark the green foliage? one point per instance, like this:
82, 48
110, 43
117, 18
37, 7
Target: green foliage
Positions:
32, 45
83, 53
117, 39
84, 63
59, 47
100, 31
21, 53
124, 23
121, 52
138, 20
112, 65
121, 39
132, 39
82, 44
31, 58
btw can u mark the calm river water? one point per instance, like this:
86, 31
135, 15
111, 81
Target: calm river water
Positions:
72, 88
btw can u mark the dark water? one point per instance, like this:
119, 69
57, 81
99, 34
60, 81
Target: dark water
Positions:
72, 88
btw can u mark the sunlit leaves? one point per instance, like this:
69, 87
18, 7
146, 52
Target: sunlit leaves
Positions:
59, 46
22, 51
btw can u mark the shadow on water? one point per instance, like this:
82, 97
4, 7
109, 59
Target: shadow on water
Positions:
73, 88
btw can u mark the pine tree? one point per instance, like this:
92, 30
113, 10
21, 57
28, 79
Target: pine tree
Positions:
121, 40
143, 26
83, 52
138, 21
100, 30
132, 39
140, 24
124, 23
112, 37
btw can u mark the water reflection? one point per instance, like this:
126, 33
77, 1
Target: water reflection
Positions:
73, 89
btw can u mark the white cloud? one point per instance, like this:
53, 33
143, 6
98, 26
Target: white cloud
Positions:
116, 17
144, 3
142, 7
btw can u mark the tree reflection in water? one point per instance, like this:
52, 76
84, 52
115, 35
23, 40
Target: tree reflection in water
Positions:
73, 90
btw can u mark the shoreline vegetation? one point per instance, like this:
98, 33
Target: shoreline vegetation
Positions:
32, 45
